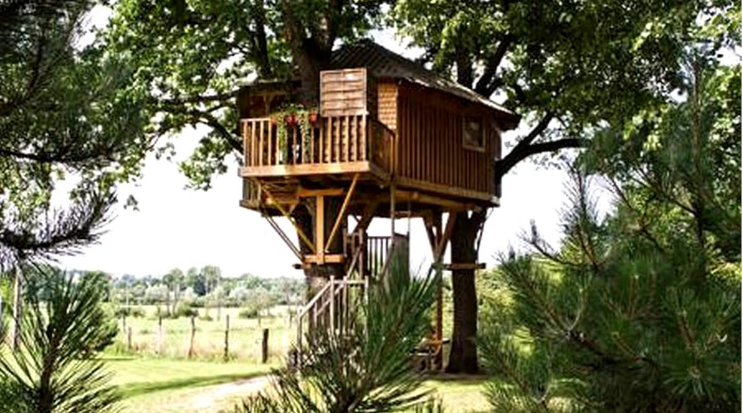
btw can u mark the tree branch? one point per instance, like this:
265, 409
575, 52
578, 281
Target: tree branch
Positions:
487, 84
515, 156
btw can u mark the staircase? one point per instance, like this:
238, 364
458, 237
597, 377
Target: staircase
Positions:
330, 308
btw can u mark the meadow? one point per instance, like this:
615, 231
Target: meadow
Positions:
170, 382
161, 385
245, 335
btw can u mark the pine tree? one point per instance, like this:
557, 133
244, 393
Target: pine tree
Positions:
638, 310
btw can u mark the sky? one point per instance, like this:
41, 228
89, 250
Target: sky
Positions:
175, 227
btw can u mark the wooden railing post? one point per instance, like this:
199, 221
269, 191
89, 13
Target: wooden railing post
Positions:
332, 303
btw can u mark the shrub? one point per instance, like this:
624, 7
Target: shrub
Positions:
136, 312
184, 309
248, 313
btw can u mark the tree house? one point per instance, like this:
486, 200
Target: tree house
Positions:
391, 139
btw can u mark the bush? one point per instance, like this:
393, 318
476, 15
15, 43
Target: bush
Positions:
248, 313
135, 312
184, 309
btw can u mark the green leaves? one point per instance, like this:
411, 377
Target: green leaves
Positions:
56, 369
369, 367
640, 310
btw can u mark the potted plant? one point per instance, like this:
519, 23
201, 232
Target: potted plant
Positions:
294, 115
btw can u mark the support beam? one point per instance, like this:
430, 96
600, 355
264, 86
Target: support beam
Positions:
444, 239
342, 214
326, 259
320, 227
286, 215
283, 236
366, 216
311, 193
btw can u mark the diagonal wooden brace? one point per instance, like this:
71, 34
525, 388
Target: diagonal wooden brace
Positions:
342, 214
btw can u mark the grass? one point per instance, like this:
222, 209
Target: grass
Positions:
167, 386
244, 338
460, 393
156, 385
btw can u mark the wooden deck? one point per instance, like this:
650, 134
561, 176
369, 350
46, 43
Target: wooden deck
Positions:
337, 144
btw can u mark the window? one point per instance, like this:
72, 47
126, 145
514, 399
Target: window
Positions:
472, 136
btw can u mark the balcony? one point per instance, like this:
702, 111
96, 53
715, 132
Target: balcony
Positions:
333, 145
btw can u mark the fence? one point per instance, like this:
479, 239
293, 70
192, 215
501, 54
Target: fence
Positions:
227, 338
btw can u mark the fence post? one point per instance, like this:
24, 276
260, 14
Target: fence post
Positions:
227, 338
264, 347
159, 335
129, 339
123, 320
193, 334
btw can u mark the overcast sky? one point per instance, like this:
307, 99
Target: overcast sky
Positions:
178, 227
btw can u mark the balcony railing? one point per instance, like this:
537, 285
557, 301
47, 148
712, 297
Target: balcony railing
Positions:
331, 140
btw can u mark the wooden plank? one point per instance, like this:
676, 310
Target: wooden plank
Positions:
444, 239
309, 169
364, 132
312, 144
404, 195
260, 145
283, 236
444, 189
337, 140
354, 138
286, 215
343, 93
270, 144
328, 140
246, 138
254, 145
326, 259
309, 193
342, 214
320, 227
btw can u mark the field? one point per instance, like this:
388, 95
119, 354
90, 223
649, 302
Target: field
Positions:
169, 382
155, 385
245, 335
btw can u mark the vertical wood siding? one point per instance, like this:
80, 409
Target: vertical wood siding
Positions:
429, 129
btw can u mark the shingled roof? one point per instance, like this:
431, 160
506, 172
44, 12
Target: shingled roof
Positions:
385, 64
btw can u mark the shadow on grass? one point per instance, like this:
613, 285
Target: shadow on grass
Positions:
138, 389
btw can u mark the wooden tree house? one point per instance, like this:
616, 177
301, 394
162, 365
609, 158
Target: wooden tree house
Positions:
391, 140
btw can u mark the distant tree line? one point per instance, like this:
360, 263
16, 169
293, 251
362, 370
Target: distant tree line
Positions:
204, 287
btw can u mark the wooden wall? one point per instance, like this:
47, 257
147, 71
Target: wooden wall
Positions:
347, 92
430, 148
387, 104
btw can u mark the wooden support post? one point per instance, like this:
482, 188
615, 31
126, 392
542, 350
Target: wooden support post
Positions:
342, 214
439, 316
193, 336
227, 339
320, 228
159, 335
392, 209
129, 339
264, 347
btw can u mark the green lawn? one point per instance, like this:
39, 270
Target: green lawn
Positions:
154, 385
167, 386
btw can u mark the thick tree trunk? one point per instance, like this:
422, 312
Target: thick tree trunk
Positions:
463, 355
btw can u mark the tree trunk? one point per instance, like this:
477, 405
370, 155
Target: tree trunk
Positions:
463, 355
